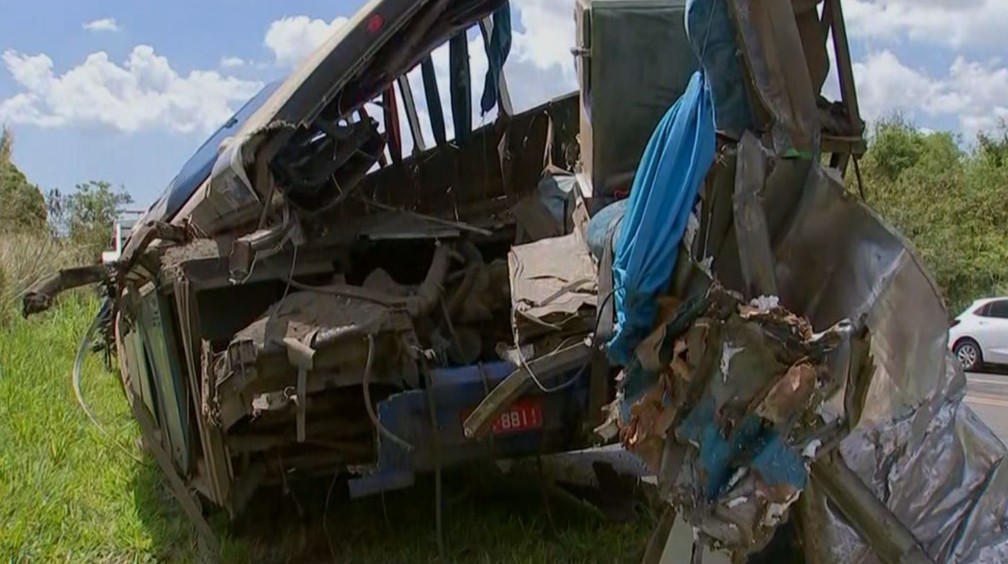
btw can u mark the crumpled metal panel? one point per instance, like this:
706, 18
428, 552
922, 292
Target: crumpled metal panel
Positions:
779, 72
721, 403
914, 444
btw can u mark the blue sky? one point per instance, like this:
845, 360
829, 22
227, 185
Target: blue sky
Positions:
126, 90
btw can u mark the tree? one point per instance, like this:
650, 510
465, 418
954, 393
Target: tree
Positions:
22, 206
951, 204
87, 215
994, 147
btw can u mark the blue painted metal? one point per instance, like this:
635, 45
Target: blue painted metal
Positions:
751, 444
604, 228
198, 167
455, 391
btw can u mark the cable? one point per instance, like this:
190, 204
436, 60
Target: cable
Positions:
367, 400
325, 513
438, 494
290, 278
355, 292
580, 372
85, 345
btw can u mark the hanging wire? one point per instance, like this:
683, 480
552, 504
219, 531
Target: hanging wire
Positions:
438, 493
548, 390
85, 345
382, 430
325, 513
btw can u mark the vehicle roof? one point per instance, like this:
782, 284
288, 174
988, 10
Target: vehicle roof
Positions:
984, 301
383, 40
198, 167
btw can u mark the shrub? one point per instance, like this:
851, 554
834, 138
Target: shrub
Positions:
26, 258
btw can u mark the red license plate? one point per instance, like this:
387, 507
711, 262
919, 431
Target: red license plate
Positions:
523, 415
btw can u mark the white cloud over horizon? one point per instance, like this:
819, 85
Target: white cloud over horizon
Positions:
952, 23
103, 24
971, 93
143, 92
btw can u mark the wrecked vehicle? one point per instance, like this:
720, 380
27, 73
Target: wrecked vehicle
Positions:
692, 282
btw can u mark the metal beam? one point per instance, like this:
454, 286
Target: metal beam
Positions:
419, 145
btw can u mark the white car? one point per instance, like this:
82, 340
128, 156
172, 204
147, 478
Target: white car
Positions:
979, 335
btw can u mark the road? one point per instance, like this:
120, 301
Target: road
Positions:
987, 395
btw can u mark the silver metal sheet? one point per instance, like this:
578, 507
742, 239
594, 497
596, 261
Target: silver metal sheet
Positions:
915, 445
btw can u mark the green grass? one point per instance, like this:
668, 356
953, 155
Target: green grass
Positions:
69, 493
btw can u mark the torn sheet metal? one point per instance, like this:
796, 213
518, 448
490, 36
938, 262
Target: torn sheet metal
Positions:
721, 402
914, 444
551, 282
774, 54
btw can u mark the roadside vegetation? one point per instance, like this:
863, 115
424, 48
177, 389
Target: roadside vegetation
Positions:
950, 202
71, 491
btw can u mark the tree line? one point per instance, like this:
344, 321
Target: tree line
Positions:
83, 217
948, 198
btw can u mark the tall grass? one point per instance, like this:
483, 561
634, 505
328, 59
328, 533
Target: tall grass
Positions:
70, 492
26, 258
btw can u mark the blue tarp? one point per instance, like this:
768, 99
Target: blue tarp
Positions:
677, 158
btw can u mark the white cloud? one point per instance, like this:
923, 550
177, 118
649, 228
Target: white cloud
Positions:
974, 93
955, 23
103, 24
548, 37
232, 62
144, 92
293, 38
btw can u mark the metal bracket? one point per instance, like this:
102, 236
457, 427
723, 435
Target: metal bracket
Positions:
302, 356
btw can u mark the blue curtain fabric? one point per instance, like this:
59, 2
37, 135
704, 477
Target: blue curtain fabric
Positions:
674, 164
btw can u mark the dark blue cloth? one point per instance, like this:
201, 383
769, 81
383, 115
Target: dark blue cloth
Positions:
711, 31
675, 162
498, 46
461, 89
434, 109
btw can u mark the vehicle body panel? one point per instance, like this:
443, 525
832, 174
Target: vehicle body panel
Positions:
321, 304
986, 322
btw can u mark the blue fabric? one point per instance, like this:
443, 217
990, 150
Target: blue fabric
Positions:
556, 194
434, 109
675, 162
461, 91
606, 222
712, 33
199, 166
498, 46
